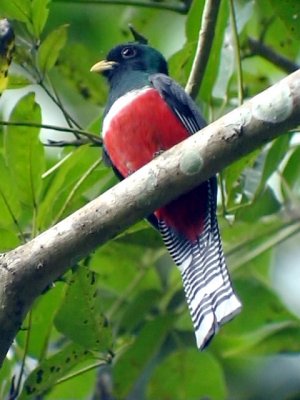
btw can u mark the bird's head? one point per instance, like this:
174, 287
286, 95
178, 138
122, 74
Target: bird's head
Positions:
129, 57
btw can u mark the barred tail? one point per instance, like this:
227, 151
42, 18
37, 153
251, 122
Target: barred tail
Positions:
206, 281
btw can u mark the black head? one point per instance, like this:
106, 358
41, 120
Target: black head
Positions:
131, 57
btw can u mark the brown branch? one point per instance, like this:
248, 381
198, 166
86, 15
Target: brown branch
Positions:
206, 36
27, 270
260, 49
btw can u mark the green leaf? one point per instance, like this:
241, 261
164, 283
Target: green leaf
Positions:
193, 20
51, 47
48, 372
275, 155
24, 151
6, 372
132, 363
188, 375
232, 177
263, 318
80, 317
39, 15
265, 204
226, 63
16, 9
291, 175
138, 308
289, 12
18, 82
119, 264
9, 239
65, 181
75, 74
9, 204
144, 234
33, 13
42, 317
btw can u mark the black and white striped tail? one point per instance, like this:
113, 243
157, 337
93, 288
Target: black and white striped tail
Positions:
206, 281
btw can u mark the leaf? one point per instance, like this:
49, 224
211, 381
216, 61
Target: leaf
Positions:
79, 317
49, 371
6, 372
291, 174
263, 317
18, 82
75, 74
265, 204
50, 48
145, 234
275, 156
190, 375
233, 179
139, 307
65, 180
289, 12
9, 204
227, 63
131, 363
24, 151
119, 264
39, 15
193, 19
42, 317
16, 9
9, 239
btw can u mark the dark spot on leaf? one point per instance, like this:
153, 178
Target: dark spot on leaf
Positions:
85, 92
85, 321
93, 278
57, 369
52, 369
39, 376
68, 359
29, 389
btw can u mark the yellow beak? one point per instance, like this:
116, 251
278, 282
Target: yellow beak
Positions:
103, 65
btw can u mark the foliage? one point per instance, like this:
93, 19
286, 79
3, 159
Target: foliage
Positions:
122, 312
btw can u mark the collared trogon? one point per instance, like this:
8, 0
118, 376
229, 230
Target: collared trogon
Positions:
146, 114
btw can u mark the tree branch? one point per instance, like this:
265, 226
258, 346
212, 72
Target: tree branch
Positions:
180, 8
93, 139
259, 48
27, 270
205, 41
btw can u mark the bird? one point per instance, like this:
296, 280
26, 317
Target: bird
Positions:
147, 112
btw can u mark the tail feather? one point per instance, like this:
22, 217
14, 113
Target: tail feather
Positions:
206, 281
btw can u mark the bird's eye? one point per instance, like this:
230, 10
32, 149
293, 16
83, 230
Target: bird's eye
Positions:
128, 52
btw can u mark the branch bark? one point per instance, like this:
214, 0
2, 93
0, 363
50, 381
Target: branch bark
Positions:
205, 41
27, 270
